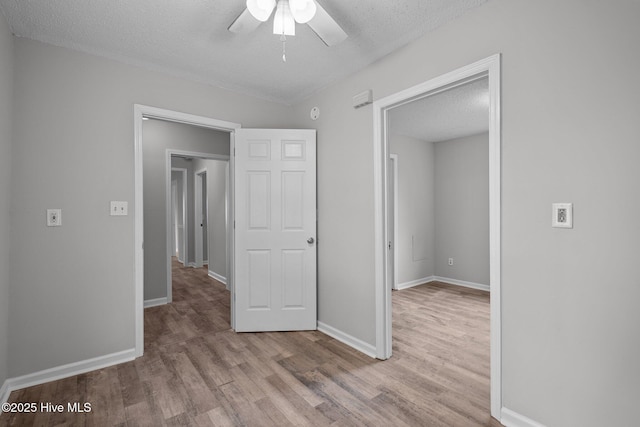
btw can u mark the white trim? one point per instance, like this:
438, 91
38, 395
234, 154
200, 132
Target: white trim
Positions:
65, 371
462, 283
347, 339
140, 111
447, 280
488, 67
198, 183
412, 283
513, 419
231, 225
495, 225
5, 392
155, 302
219, 277
396, 223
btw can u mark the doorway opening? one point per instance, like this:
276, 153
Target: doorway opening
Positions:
179, 213
203, 193
142, 112
439, 198
488, 68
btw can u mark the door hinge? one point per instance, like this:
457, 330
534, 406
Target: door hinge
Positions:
389, 245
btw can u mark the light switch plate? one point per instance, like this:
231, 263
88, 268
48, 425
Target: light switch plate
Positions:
119, 208
562, 215
54, 217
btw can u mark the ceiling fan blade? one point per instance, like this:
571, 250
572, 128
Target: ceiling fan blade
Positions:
326, 28
244, 23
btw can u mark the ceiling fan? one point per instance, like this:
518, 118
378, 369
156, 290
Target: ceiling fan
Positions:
287, 13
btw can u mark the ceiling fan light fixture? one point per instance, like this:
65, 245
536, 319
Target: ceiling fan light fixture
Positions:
303, 11
283, 22
261, 9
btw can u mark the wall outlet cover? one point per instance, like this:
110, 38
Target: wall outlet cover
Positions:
314, 113
562, 215
118, 208
54, 217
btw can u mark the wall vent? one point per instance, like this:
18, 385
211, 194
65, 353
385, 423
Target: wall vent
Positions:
362, 99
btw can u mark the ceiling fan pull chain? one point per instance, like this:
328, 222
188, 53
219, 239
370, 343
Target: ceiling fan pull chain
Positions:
283, 39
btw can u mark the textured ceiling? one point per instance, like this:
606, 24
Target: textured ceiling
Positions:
190, 38
454, 113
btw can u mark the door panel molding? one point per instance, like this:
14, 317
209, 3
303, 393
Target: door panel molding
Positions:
275, 232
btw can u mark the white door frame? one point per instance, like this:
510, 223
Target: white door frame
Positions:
489, 67
185, 237
396, 252
140, 111
197, 198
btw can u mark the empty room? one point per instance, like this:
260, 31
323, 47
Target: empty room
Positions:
127, 300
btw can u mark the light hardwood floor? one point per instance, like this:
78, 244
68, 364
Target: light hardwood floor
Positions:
196, 371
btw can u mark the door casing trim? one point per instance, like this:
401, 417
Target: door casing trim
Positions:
198, 183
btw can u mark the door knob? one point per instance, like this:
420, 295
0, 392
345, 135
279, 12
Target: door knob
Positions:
310, 240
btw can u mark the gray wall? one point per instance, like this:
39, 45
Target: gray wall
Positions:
217, 229
443, 208
416, 213
6, 116
72, 287
462, 208
158, 136
570, 129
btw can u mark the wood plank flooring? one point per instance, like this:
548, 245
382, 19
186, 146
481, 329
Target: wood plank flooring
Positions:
197, 372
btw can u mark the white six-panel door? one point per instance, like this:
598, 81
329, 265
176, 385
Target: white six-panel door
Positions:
275, 230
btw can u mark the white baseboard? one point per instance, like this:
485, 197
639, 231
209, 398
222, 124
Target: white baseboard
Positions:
511, 418
64, 371
220, 278
361, 346
413, 283
448, 280
463, 283
154, 302
4, 392
192, 265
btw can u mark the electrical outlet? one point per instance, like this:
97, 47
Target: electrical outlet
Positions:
54, 217
562, 215
450, 261
119, 208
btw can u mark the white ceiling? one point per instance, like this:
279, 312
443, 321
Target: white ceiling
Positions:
190, 38
454, 113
